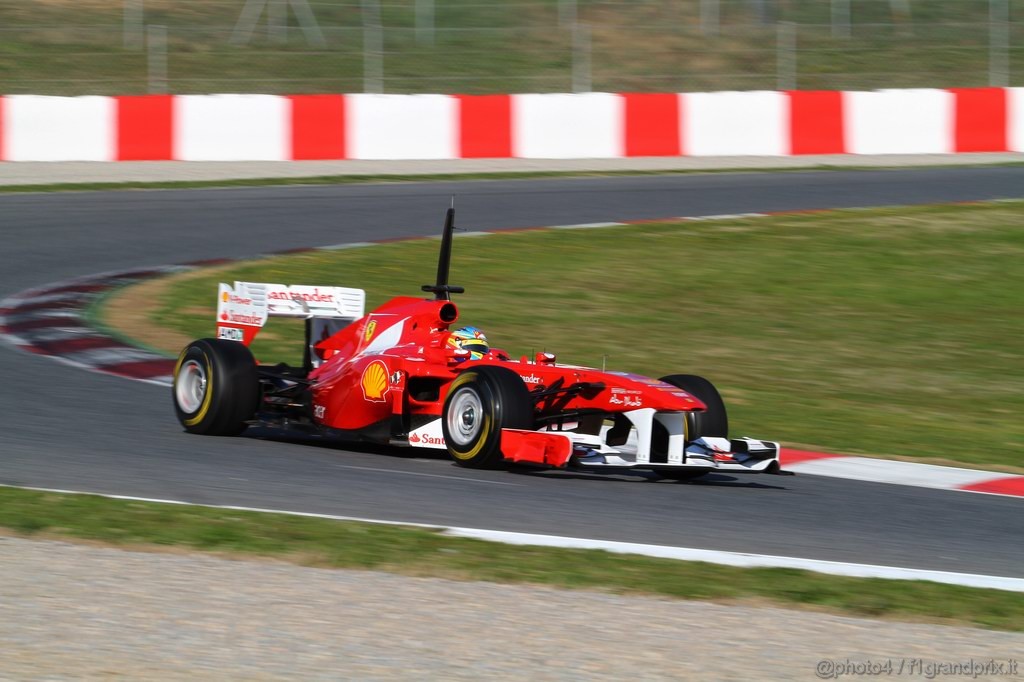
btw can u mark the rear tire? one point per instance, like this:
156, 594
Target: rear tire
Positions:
216, 388
712, 422
481, 402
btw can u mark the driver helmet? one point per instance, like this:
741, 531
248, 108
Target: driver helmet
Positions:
471, 339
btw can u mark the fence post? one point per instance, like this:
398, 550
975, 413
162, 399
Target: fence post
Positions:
763, 14
373, 48
307, 20
134, 33
999, 43
567, 12
247, 20
840, 18
900, 9
425, 22
156, 57
710, 17
277, 21
902, 16
581, 57
785, 55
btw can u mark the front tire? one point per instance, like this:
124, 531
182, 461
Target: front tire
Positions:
712, 422
481, 402
216, 387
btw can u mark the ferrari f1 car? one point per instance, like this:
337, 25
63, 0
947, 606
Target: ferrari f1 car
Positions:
394, 376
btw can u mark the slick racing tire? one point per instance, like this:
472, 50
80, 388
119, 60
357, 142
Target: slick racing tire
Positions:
216, 388
713, 422
481, 402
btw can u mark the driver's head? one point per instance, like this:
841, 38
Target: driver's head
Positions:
471, 339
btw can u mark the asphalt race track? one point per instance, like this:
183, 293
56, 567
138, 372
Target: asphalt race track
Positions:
65, 428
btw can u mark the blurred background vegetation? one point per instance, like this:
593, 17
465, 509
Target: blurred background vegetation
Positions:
74, 47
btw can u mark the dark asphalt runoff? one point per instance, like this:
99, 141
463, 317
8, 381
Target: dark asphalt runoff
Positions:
62, 427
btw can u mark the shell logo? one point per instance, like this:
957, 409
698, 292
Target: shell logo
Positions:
370, 329
375, 382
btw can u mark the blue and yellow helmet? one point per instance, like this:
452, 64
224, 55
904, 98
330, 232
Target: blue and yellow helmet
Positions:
471, 339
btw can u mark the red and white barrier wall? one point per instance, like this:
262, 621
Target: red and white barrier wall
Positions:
559, 126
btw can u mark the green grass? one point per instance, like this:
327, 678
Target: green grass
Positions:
76, 47
892, 332
412, 551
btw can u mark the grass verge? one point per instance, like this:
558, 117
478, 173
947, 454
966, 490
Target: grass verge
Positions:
888, 332
421, 552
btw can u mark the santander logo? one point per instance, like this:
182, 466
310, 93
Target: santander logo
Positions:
309, 297
426, 439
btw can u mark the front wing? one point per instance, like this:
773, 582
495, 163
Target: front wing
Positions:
569, 447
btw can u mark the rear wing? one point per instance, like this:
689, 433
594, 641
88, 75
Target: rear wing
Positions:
244, 308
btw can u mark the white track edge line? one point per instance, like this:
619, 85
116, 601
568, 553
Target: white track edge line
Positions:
585, 226
739, 559
748, 560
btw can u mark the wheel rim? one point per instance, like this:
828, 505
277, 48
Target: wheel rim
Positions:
190, 386
465, 417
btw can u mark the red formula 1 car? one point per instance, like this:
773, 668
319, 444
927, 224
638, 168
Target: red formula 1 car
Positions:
401, 375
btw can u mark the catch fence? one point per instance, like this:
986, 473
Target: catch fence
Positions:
76, 47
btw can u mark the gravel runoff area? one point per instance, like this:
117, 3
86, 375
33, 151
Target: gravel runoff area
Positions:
72, 611
35, 173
